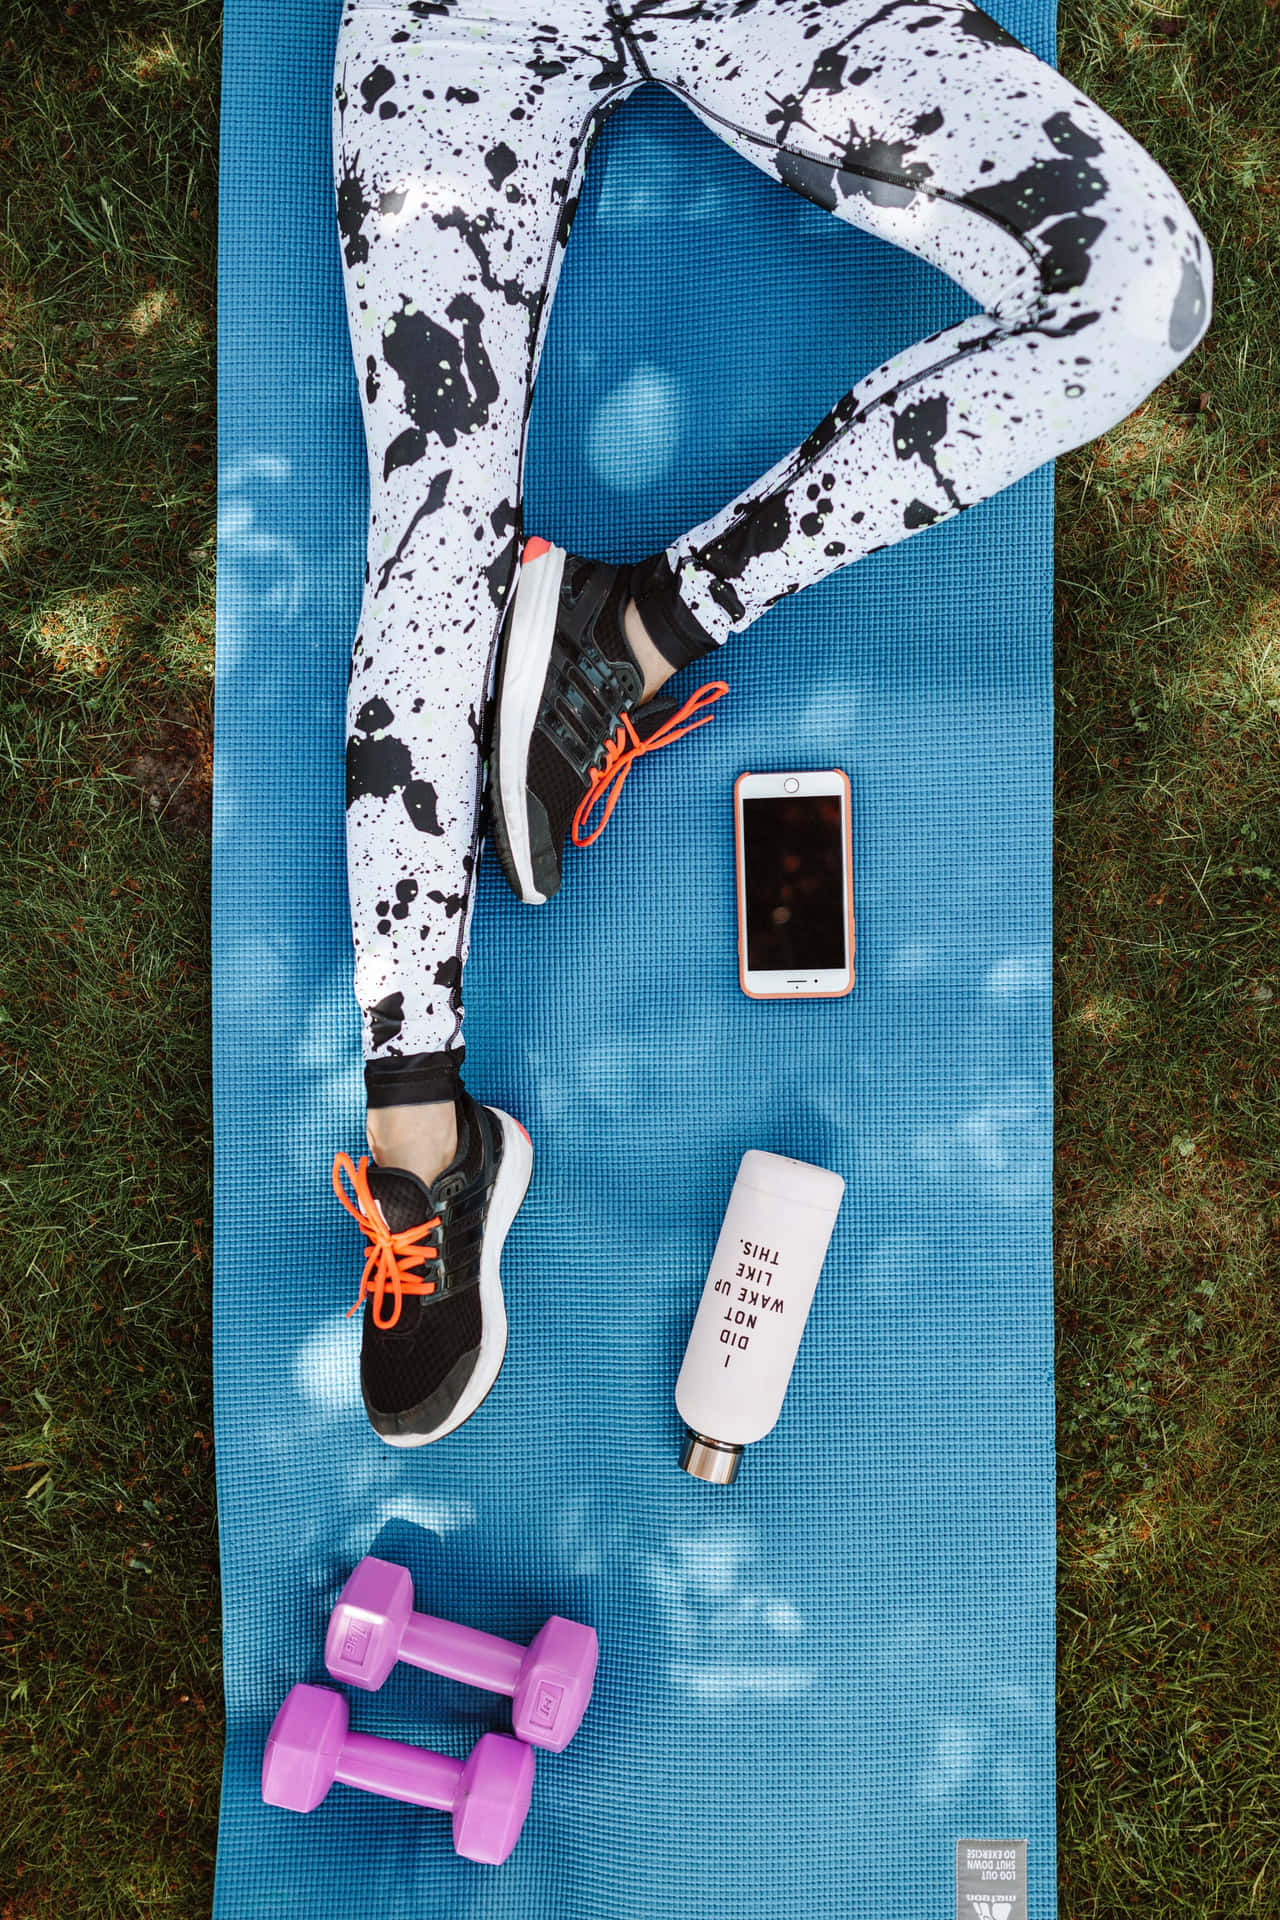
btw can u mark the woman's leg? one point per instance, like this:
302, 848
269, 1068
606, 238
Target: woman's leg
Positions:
457, 139
458, 130
923, 121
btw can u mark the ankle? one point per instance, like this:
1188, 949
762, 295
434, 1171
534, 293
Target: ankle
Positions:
421, 1139
656, 670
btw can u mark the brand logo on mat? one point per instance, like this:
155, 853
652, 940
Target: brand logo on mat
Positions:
991, 1879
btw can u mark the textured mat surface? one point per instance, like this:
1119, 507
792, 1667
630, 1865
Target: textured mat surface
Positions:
813, 1684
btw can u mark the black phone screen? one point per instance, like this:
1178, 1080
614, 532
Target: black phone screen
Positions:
794, 874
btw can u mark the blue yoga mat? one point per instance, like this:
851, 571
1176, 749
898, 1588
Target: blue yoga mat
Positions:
814, 1684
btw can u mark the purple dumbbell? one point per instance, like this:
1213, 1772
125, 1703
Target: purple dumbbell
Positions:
374, 1625
309, 1747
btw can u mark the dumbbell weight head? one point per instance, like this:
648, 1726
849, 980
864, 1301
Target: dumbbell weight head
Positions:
493, 1798
303, 1748
555, 1684
367, 1625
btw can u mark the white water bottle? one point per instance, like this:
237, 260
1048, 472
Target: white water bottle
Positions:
753, 1309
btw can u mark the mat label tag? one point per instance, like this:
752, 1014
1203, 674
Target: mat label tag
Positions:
991, 1880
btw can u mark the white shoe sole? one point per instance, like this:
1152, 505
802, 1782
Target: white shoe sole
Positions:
514, 1173
526, 657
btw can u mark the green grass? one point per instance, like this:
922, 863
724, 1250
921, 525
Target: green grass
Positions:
110, 1700
1168, 981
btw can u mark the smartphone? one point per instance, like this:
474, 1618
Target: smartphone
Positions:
795, 884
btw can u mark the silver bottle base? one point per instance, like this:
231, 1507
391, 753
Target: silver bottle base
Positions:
713, 1460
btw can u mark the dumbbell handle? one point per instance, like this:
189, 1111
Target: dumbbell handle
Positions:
398, 1771
462, 1653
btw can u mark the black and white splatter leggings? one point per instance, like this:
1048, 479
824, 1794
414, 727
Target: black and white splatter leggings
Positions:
461, 128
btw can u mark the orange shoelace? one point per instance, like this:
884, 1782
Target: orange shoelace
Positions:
625, 748
392, 1256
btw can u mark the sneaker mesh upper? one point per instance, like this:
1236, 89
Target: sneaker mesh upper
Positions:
403, 1368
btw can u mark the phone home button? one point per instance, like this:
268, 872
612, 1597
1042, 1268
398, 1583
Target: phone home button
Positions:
791, 786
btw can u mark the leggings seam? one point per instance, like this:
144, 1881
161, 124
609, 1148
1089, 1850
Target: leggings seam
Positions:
599, 110
892, 393
623, 28
868, 173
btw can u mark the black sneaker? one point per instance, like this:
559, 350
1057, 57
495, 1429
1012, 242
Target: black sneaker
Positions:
567, 725
435, 1326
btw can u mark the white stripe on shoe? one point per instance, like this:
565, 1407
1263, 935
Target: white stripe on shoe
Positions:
526, 657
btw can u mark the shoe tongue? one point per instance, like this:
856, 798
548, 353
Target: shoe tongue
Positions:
653, 714
610, 635
405, 1200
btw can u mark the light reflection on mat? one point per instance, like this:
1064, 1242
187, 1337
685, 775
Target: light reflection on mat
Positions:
634, 434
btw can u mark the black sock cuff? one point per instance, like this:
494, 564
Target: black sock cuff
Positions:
413, 1079
673, 630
